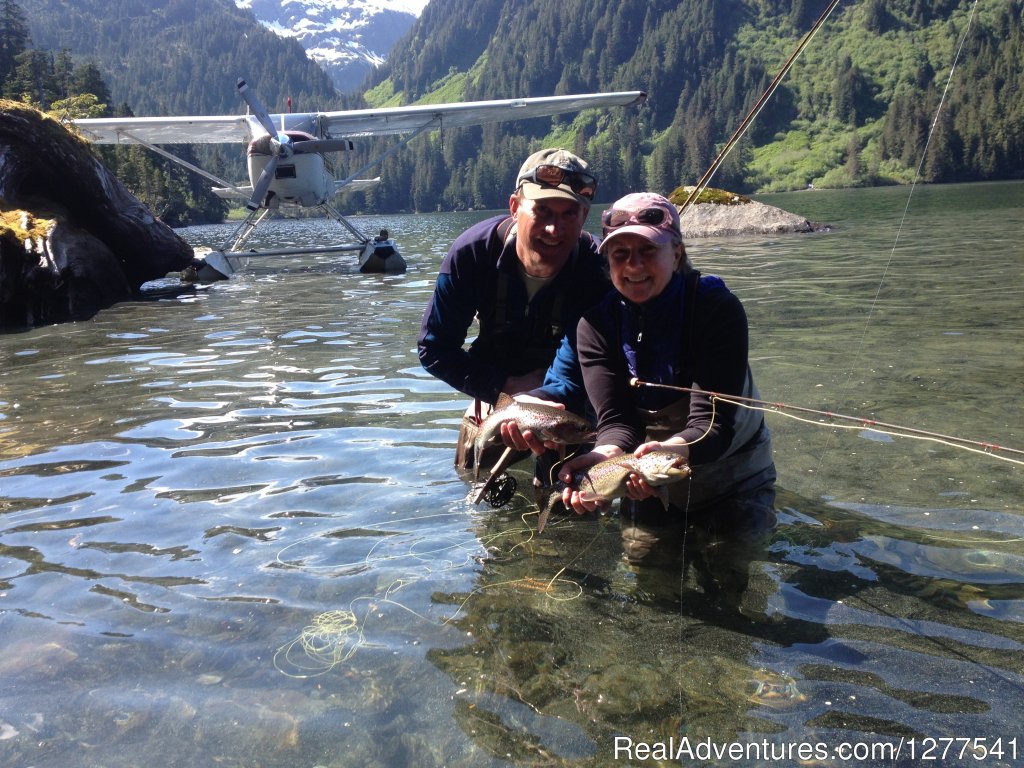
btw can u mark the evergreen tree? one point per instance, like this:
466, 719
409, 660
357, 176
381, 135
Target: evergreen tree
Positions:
14, 36
33, 80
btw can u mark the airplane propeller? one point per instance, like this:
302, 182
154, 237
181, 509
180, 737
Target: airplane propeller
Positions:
257, 107
281, 146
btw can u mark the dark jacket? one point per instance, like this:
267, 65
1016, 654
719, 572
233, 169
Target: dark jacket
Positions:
692, 335
479, 279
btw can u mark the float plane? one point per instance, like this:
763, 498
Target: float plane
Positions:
288, 164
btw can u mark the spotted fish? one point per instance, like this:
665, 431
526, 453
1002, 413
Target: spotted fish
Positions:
606, 480
548, 423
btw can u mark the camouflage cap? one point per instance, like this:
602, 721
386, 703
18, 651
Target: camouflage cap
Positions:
556, 173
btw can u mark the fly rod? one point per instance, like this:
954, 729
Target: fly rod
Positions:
988, 448
758, 106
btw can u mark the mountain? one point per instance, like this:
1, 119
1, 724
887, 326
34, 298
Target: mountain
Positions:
347, 38
180, 57
887, 92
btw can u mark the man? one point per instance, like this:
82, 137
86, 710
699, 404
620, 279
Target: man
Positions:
526, 277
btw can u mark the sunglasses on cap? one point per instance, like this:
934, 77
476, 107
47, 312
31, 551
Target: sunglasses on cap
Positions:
583, 184
614, 218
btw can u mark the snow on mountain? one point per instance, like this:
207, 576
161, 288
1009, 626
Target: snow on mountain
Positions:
346, 37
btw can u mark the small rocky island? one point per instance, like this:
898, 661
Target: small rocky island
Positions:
73, 239
719, 213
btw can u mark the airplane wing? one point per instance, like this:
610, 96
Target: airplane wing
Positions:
170, 130
379, 122
225, 129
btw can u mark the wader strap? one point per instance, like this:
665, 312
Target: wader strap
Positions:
554, 318
497, 246
692, 281
502, 231
500, 301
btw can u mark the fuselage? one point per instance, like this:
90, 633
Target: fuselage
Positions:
301, 179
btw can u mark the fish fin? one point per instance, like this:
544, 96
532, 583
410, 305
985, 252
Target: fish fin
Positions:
504, 400
662, 492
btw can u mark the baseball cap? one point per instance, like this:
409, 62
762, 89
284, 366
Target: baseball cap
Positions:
647, 214
556, 173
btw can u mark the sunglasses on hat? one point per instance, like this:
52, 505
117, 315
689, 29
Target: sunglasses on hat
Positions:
583, 184
614, 218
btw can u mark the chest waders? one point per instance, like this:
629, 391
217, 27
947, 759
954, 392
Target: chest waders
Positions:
741, 480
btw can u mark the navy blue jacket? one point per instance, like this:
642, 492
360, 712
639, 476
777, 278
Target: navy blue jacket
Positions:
479, 279
658, 343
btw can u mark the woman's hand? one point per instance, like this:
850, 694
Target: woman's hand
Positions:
636, 487
571, 497
674, 444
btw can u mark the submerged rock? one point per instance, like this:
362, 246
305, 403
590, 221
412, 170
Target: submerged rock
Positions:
718, 213
73, 239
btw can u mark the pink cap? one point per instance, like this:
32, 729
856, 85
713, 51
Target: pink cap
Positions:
646, 214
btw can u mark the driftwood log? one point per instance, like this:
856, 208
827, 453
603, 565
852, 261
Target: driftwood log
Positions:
73, 240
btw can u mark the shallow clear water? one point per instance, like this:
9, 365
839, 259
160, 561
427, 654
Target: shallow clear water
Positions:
231, 534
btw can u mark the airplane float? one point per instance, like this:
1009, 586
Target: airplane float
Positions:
288, 165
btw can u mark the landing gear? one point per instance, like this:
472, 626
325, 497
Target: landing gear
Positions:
375, 254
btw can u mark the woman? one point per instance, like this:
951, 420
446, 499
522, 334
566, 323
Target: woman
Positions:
666, 324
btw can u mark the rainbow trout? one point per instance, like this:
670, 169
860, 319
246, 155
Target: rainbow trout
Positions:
545, 421
606, 480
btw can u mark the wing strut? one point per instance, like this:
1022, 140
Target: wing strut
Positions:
237, 238
436, 122
183, 163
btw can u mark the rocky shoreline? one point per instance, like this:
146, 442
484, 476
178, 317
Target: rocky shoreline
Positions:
73, 239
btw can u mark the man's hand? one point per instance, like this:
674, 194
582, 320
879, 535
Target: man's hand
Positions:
527, 441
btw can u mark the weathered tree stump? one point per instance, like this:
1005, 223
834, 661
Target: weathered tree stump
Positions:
73, 240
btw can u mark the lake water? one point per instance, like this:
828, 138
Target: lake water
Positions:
231, 533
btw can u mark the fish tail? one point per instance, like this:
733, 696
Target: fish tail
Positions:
547, 498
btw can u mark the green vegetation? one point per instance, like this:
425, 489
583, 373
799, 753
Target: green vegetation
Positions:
856, 109
23, 226
383, 95
679, 195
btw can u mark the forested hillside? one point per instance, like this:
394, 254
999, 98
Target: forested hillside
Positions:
856, 108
